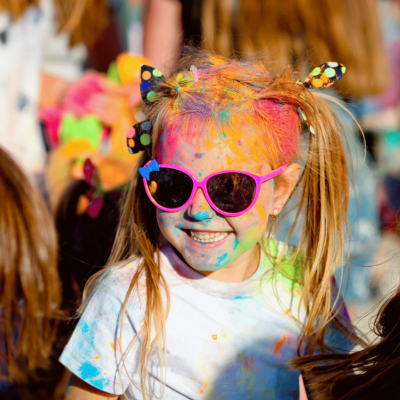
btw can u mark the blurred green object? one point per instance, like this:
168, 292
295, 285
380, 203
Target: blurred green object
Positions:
88, 127
112, 73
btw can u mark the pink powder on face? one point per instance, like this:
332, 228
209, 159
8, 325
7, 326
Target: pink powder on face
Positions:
275, 125
283, 123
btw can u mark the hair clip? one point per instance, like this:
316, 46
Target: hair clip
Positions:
195, 73
151, 77
323, 76
145, 171
139, 137
304, 122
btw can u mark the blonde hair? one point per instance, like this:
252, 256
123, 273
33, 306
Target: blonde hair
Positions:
84, 20
302, 32
29, 282
267, 104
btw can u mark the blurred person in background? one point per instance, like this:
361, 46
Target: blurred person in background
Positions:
25, 28
29, 283
300, 33
368, 374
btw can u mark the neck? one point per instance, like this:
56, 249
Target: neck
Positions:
240, 269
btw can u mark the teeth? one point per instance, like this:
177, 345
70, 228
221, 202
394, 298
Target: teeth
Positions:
208, 238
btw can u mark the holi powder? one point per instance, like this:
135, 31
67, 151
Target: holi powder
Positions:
248, 362
235, 98
279, 344
201, 391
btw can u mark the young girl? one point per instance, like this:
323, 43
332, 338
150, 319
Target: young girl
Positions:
200, 301
29, 283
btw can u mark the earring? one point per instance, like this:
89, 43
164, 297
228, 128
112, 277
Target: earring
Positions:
276, 212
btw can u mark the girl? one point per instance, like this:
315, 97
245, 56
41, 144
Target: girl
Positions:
371, 373
29, 283
200, 301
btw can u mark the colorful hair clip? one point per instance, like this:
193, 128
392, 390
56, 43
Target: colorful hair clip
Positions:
151, 77
145, 171
323, 76
139, 137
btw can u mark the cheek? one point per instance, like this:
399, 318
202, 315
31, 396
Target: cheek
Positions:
254, 223
169, 223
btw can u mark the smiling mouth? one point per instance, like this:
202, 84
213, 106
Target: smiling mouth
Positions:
207, 237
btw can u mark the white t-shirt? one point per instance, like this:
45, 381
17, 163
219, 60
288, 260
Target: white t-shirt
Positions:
224, 340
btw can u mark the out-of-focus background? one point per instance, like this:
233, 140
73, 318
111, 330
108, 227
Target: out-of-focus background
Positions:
69, 93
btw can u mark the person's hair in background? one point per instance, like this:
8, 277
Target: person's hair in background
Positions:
368, 374
29, 283
291, 32
303, 32
82, 19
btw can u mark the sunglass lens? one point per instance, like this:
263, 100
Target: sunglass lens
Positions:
169, 187
231, 192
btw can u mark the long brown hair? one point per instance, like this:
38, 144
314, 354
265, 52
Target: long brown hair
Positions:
300, 32
29, 282
371, 373
84, 20
256, 100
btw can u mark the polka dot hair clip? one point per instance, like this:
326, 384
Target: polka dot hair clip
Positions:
151, 77
139, 137
322, 76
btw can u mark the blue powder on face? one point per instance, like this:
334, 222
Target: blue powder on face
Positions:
221, 259
200, 215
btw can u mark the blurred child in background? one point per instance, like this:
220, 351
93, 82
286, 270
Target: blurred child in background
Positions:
368, 374
25, 27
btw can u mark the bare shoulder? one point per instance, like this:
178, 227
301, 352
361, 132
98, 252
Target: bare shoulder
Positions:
80, 390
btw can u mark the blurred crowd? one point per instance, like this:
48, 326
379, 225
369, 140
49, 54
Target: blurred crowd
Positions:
69, 93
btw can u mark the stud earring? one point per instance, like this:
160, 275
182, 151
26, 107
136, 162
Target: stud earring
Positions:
276, 212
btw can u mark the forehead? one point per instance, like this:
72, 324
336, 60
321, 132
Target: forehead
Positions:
203, 152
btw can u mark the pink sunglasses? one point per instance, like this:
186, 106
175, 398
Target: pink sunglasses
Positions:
230, 192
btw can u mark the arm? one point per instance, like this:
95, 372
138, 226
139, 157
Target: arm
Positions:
80, 390
303, 394
162, 33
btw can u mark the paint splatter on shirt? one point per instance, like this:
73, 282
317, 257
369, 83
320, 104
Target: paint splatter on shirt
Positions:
224, 340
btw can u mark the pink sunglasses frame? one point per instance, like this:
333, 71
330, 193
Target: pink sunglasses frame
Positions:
203, 185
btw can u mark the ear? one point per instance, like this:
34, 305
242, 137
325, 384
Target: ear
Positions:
284, 186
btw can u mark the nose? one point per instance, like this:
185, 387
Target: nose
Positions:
199, 208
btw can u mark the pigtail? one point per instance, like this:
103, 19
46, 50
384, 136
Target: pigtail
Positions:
323, 206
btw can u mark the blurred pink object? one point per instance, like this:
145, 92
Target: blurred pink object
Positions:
80, 92
52, 117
